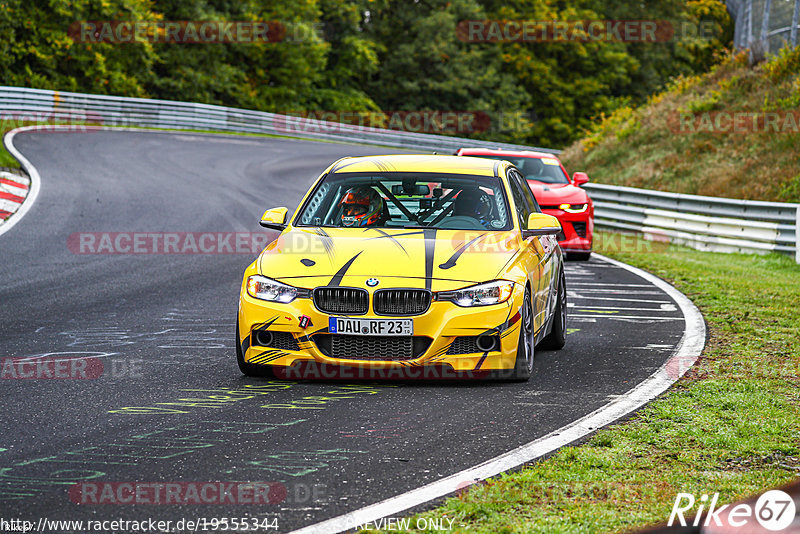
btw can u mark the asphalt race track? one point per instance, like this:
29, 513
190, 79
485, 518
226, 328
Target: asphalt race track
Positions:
168, 403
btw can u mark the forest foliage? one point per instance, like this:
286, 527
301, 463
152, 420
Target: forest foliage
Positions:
371, 55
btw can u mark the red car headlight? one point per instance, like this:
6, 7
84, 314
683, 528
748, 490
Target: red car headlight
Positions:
574, 208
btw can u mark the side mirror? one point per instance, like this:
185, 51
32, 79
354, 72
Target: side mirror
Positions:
580, 178
274, 218
541, 224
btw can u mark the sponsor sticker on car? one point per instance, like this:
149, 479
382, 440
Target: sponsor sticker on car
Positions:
371, 327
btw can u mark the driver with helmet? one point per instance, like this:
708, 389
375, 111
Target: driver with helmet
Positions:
472, 202
361, 206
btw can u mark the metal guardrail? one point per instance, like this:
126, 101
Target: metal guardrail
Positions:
706, 223
123, 111
703, 223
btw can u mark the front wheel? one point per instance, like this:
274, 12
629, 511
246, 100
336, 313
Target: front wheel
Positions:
524, 363
557, 337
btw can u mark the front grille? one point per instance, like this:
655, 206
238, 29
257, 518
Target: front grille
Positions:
379, 348
401, 301
346, 300
468, 345
280, 340
580, 228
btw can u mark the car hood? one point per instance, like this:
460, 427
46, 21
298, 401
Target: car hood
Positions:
413, 257
555, 194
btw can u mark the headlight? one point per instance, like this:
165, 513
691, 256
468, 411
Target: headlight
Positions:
261, 287
574, 208
480, 295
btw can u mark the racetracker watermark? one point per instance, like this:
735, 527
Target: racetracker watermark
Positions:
187, 32
68, 366
472, 241
51, 368
735, 122
310, 370
544, 31
562, 493
52, 121
172, 242
177, 493
421, 121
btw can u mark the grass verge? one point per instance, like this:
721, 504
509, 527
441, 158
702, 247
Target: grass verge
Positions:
652, 147
731, 425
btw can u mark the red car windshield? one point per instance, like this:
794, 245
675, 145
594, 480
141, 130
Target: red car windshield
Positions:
546, 170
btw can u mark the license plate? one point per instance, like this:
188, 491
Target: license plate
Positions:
371, 327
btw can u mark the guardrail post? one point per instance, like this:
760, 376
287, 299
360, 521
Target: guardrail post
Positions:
797, 237
795, 22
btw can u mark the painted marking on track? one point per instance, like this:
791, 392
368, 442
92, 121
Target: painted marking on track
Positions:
608, 285
576, 296
652, 346
619, 291
631, 317
300, 463
663, 307
29, 477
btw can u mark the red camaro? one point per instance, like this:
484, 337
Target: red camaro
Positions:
556, 194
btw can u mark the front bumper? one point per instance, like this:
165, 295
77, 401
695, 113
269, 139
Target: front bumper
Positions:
442, 323
577, 229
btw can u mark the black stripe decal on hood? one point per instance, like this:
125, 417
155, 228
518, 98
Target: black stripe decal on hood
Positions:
389, 236
327, 242
337, 278
430, 249
454, 258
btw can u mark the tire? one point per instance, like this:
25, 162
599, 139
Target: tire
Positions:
249, 369
579, 256
523, 367
557, 337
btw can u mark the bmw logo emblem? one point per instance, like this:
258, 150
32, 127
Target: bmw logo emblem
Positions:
372, 282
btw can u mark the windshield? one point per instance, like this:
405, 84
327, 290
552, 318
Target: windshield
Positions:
546, 170
407, 200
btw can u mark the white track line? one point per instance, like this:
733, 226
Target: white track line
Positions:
33, 190
689, 348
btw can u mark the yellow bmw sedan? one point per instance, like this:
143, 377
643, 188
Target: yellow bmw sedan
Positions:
404, 264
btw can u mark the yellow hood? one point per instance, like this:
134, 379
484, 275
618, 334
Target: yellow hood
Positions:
312, 257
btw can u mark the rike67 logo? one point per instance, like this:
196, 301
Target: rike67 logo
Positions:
774, 511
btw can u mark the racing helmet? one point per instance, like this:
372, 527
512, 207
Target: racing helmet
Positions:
472, 202
361, 206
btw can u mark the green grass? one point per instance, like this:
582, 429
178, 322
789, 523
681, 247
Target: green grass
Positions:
6, 159
731, 425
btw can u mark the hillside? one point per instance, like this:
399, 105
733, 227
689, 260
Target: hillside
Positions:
699, 136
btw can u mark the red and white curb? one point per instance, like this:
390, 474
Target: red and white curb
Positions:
13, 190
17, 193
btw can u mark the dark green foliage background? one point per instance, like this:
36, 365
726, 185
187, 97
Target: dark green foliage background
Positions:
391, 55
